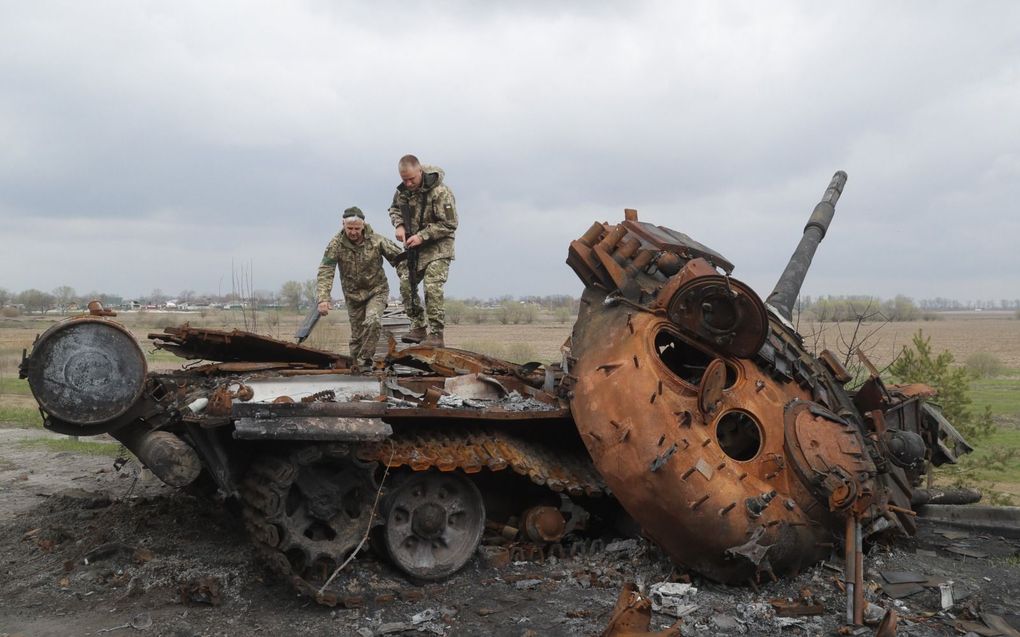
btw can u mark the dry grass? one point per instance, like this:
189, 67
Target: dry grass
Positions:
963, 334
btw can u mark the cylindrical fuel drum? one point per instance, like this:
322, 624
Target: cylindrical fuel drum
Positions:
86, 372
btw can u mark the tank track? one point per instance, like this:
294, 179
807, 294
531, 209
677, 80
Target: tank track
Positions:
472, 449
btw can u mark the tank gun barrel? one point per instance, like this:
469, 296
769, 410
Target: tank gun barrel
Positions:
788, 286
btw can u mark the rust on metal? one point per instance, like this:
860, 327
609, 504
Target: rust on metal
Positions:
242, 368
887, 627
544, 524
241, 346
804, 605
632, 617
477, 448
455, 362
96, 308
675, 326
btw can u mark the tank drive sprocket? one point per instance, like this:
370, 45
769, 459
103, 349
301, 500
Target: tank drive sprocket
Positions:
308, 510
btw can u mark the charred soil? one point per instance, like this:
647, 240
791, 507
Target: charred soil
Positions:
84, 547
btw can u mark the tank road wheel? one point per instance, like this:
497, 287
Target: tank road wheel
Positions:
308, 511
433, 523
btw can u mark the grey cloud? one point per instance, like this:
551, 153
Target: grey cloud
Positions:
240, 130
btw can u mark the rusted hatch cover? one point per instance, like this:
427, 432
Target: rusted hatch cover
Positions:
712, 385
826, 451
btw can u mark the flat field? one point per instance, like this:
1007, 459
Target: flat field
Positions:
962, 334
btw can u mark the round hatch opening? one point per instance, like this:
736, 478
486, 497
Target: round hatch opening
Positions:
739, 435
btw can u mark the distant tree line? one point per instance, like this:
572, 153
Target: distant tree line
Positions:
899, 308
507, 310
939, 304
65, 299
852, 308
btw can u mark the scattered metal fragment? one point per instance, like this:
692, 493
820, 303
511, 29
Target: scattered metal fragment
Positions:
903, 577
632, 616
204, 590
901, 590
672, 598
946, 595
873, 614
805, 604
887, 628
544, 524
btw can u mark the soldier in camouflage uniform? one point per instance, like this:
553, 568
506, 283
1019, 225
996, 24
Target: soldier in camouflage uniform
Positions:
433, 212
359, 253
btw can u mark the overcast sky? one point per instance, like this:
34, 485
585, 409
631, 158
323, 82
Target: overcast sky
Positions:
154, 144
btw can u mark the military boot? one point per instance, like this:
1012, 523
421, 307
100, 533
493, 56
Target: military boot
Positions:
416, 335
435, 339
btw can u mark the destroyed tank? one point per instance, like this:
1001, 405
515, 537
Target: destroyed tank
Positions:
681, 397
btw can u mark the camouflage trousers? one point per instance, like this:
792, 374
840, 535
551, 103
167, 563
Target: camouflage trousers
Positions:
432, 279
366, 324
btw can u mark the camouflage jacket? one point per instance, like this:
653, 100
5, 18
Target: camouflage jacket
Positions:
433, 215
361, 269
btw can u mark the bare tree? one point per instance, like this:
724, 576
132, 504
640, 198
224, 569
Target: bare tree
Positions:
63, 295
310, 292
290, 294
35, 300
243, 289
5, 297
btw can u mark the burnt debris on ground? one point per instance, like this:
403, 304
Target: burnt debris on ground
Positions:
97, 559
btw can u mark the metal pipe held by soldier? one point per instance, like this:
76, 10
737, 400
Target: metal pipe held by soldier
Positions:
784, 295
307, 325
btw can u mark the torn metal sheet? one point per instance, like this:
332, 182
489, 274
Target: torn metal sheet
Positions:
901, 590
241, 346
903, 577
455, 362
476, 386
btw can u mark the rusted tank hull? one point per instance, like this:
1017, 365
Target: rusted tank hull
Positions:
661, 456
737, 450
